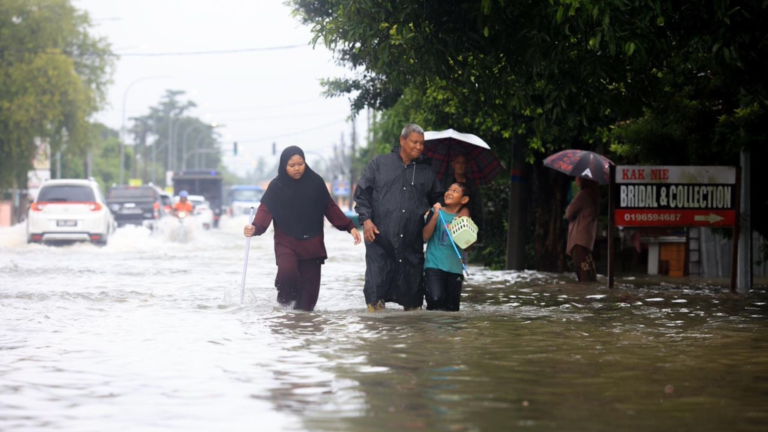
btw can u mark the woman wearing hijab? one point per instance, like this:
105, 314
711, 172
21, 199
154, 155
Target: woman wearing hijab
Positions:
297, 200
582, 229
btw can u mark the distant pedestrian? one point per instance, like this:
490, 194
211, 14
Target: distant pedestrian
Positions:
392, 196
298, 200
442, 268
460, 164
582, 228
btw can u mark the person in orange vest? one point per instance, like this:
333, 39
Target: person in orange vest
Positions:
183, 205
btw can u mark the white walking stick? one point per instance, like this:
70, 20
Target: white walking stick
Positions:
245, 263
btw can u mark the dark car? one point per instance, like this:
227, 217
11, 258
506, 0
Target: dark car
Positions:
136, 205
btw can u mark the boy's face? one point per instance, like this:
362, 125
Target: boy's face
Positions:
454, 195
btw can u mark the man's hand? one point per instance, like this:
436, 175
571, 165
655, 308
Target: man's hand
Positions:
249, 230
370, 231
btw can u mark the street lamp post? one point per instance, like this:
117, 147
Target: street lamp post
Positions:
122, 123
184, 142
184, 145
174, 131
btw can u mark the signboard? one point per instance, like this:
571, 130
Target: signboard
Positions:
652, 196
134, 182
674, 196
340, 187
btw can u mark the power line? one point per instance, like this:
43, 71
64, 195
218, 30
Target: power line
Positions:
80, 54
284, 116
262, 139
254, 108
214, 52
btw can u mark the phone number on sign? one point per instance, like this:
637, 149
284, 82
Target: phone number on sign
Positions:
651, 217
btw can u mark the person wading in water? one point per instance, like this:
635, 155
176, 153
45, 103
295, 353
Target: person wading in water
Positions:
442, 268
582, 228
297, 200
392, 196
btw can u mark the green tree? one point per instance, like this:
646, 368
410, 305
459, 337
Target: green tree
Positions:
53, 76
106, 155
195, 142
548, 74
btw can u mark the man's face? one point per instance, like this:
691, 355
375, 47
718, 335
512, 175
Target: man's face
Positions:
459, 164
413, 145
183, 199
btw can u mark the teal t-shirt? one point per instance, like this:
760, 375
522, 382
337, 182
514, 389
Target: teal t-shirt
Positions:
440, 253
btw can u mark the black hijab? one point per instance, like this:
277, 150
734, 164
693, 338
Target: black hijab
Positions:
297, 206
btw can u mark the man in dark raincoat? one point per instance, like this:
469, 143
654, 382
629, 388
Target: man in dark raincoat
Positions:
394, 193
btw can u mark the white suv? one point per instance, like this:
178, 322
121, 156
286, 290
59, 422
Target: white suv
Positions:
69, 210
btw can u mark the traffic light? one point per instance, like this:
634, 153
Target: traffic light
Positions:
235, 149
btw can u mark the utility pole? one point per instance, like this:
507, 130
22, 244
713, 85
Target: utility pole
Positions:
744, 272
517, 212
89, 165
339, 158
169, 150
351, 162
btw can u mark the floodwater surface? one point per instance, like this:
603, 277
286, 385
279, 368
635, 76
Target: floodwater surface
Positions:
147, 334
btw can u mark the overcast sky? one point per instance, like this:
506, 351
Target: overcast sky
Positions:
261, 96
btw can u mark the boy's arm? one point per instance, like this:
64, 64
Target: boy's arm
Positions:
429, 228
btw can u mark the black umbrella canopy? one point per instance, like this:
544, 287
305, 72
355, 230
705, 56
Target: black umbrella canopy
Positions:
442, 146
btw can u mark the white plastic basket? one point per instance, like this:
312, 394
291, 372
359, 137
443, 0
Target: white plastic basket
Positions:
463, 231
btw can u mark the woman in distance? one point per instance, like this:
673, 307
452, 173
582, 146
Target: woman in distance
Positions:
297, 200
582, 228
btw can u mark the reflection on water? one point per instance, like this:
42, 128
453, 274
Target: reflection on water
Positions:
146, 334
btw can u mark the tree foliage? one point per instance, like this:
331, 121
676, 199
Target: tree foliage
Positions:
654, 80
195, 142
53, 76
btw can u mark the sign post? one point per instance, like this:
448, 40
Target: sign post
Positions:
736, 232
611, 222
340, 188
673, 196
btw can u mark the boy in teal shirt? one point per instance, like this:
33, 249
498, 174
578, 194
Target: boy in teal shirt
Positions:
442, 268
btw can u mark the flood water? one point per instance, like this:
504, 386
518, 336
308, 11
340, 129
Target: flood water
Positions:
146, 334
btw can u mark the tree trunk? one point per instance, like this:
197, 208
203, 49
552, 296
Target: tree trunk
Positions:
517, 220
550, 235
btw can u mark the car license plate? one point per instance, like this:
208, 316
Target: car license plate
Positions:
66, 223
131, 211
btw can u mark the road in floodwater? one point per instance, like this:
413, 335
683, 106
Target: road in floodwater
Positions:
146, 335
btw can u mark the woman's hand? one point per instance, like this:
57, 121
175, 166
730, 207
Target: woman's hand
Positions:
249, 230
356, 235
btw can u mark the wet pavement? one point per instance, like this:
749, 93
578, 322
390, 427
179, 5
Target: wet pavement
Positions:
147, 334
